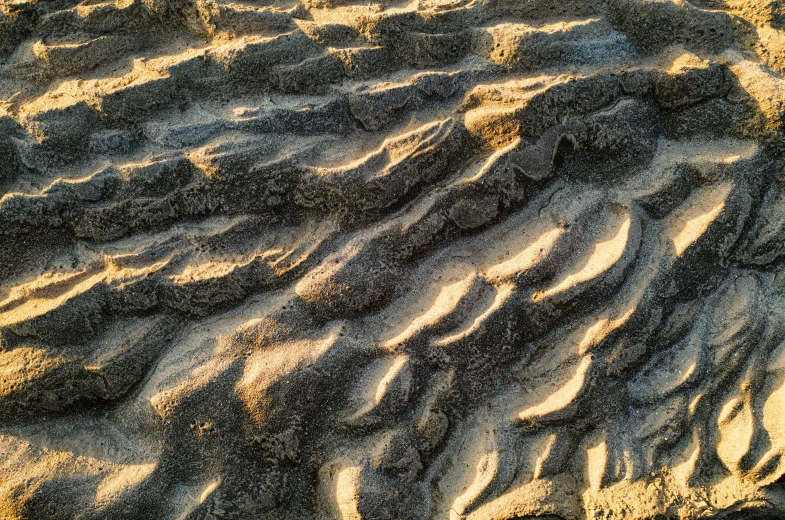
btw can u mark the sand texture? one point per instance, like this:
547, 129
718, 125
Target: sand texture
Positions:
392, 260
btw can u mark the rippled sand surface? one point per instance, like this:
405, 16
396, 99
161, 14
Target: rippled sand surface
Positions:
390, 260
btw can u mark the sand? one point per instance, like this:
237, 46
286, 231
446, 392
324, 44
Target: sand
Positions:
392, 260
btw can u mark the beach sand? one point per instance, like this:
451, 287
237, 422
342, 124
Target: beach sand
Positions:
392, 260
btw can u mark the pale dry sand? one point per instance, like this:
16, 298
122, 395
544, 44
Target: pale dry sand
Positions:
392, 260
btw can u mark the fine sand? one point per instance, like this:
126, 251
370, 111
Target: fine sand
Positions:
392, 260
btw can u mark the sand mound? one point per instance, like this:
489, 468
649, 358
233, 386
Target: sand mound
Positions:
343, 259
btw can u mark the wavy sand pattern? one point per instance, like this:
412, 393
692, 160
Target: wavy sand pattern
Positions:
378, 259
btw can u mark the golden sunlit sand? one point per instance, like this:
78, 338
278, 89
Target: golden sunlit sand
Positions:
392, 260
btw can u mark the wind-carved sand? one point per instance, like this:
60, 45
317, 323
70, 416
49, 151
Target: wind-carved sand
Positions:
367, 260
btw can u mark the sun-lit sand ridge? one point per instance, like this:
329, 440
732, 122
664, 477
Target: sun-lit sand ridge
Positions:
379, 260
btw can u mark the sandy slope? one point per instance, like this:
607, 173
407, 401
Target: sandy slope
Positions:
344, 259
